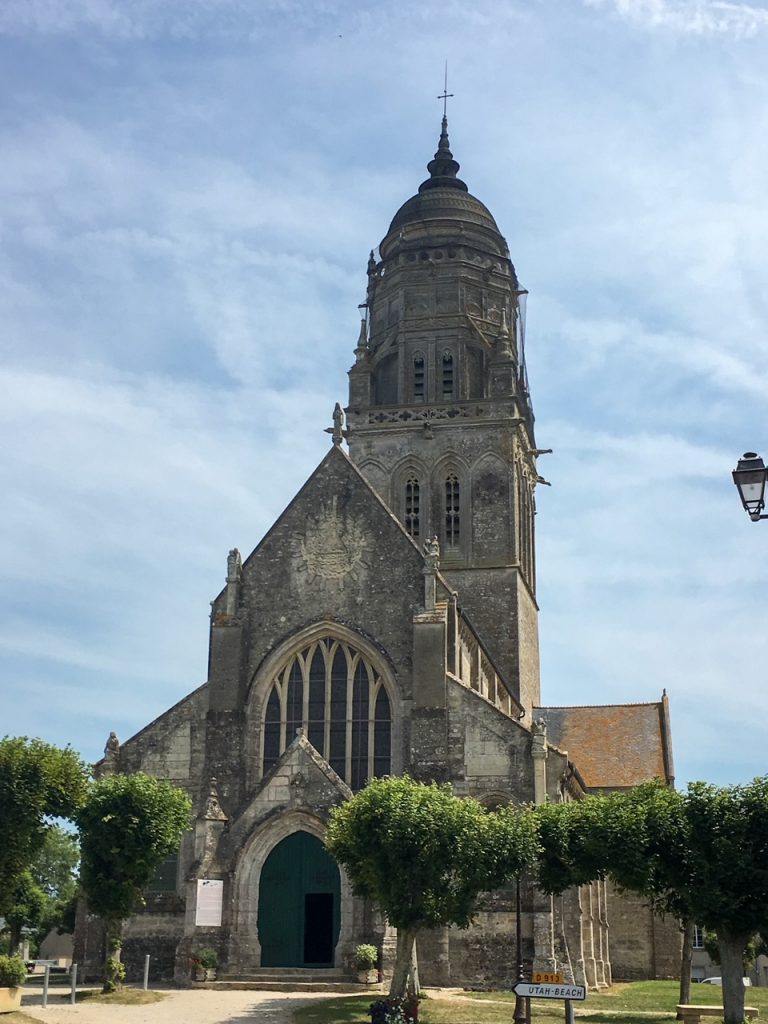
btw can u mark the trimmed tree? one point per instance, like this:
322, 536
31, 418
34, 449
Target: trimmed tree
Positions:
702, 856
38, 782
422, 855
128, 826
26, 910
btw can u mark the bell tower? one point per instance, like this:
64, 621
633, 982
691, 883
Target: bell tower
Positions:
439, 416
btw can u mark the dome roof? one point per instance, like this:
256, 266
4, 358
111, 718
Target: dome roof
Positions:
443, 196
443, 204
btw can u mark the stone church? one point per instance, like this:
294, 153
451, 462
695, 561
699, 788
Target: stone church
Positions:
387, 623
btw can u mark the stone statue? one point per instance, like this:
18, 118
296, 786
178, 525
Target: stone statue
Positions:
337, 430
431, 552
234, 566
112, 749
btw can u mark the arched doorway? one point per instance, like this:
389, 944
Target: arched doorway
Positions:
299, 904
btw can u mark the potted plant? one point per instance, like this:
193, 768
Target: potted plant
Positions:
13, 974
204, 964
366, 961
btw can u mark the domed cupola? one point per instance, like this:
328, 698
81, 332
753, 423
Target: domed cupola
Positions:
443, 204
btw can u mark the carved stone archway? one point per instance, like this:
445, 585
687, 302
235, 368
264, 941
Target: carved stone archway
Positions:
245, 948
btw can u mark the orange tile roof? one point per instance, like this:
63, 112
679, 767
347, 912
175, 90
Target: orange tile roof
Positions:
613, 745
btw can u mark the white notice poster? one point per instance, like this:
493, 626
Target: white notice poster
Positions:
210, 896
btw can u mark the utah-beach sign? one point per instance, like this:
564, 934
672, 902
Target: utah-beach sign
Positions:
532, 990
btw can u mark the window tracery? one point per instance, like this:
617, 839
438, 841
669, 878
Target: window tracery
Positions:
411, 517
447, 382
331, 691
419, 377
452, 511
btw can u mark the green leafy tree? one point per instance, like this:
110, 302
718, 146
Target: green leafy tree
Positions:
128, 826
38, 782
701, 855
422, 855
55, 866
55, 871
26, 910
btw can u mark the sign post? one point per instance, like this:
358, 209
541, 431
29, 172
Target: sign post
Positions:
552, 990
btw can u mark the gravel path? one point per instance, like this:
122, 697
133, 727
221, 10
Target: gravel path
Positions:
181, 1006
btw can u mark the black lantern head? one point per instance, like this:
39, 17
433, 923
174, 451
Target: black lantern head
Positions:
749, 476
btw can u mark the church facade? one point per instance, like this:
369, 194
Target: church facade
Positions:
387, 623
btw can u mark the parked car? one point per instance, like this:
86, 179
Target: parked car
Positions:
719, 981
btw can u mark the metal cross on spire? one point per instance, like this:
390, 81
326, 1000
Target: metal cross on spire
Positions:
445, 95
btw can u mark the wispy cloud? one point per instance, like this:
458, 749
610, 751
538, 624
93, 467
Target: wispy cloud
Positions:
694, 17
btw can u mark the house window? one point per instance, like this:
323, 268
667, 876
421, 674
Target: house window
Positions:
698, 937
332, 692
165, 876
419, 378
452, 511
447, 375
411, 516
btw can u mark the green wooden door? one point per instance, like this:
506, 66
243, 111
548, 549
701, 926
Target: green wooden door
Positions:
299, 904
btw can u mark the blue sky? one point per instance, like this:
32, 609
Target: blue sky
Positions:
190, 190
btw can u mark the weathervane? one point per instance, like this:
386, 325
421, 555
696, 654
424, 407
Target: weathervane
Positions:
445, 95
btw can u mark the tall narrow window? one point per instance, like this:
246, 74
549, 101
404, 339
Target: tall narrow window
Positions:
360, 716
419, 375
452, 511
272, 731
412, 507
332, 691
447, 375
316, 707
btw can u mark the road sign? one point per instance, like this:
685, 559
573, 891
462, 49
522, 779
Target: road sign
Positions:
535, 991
547, 978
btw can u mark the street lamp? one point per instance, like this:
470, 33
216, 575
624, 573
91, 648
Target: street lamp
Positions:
520, 1015
750, 477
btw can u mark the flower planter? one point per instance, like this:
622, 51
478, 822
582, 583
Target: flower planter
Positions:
10, 999
368, 977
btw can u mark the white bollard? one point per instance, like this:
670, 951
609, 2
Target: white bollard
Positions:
74, 984
46, 978
146, 971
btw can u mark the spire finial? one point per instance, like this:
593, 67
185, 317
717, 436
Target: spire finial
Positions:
445, 96
443, 169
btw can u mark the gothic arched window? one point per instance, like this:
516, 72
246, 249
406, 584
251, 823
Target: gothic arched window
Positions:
332, 692
419, 377
411, 507
447, 375
452, 511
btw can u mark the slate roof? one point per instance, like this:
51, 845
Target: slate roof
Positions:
614, 746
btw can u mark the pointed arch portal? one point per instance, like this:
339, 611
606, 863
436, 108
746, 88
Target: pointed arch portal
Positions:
299, 904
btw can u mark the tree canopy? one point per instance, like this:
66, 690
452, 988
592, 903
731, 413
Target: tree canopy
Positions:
38, 782
128, 826
700, 855
422, 855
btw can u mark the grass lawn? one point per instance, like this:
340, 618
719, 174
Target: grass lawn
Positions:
642, 1002
648, 996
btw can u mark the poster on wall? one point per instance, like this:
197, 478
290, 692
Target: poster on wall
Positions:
210, 899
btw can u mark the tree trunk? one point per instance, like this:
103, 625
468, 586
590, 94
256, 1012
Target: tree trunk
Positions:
14, 941
685, 965
114, 972
731, 948
404, 964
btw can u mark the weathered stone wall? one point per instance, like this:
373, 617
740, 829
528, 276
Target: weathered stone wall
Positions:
643, 945
172, 746
488, 751
156, 935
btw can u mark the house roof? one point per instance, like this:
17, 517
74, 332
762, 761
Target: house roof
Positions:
614, 746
